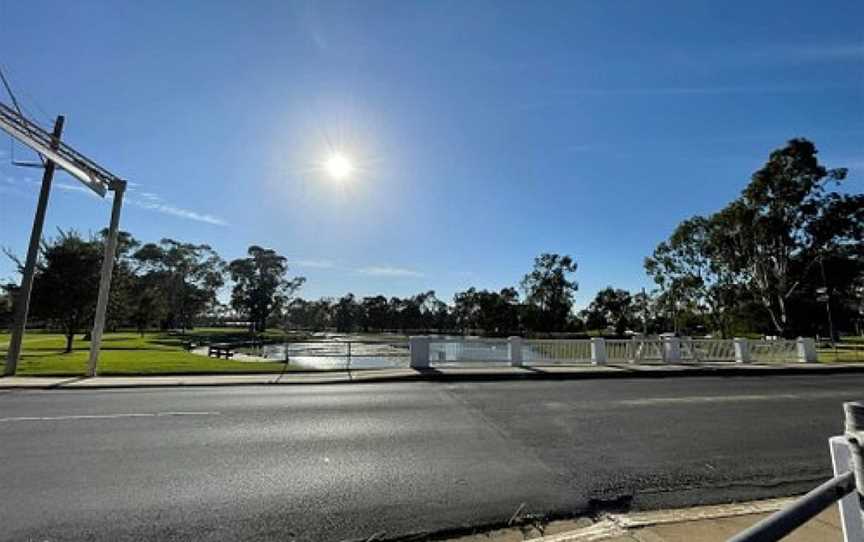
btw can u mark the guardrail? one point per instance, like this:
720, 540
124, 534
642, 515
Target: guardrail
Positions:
424, 351
516, 351
331, 354
847, 455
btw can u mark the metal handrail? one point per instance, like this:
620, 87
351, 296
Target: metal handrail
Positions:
783, 522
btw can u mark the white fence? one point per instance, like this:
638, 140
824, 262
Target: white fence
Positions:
516, 351
469, 350
554, 352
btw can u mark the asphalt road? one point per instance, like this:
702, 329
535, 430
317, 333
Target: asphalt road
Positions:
351, 461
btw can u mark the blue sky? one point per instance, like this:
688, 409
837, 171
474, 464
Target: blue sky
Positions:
483, 133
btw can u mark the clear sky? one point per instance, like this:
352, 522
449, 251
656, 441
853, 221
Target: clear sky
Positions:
483, 132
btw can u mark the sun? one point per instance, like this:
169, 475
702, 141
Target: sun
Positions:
338, 166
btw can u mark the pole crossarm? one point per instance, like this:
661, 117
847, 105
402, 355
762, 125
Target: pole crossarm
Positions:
79, 166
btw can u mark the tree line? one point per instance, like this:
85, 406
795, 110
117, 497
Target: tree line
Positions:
169, 284
545, 306
774, 260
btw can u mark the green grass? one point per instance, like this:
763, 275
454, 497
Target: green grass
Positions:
846, 351
127, 353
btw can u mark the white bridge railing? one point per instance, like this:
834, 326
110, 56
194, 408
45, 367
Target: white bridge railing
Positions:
516, 351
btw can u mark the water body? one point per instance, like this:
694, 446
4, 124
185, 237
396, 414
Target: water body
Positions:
344, 354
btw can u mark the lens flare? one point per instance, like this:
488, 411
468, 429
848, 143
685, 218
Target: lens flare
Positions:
338, 166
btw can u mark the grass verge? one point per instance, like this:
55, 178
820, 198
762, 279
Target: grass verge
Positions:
127, 353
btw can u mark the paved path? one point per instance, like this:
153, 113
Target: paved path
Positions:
335, 462
715, 523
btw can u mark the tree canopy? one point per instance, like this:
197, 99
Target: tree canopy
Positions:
261, 285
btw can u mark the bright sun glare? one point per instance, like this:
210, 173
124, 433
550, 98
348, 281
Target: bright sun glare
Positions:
338, 166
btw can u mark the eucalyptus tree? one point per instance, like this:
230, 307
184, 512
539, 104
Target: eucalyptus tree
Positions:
188, 276
549, 289
347, 314
261, 285
375, 313
688, 274
611, 307
493, 312
785, 222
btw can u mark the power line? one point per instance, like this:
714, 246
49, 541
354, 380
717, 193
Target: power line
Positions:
9, 91
17, 107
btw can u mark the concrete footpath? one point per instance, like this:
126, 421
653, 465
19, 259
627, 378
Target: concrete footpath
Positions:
699, 524
461, 373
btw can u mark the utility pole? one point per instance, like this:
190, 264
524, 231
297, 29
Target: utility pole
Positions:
644, 314
118, 187
58, 154
825, 296
22, 300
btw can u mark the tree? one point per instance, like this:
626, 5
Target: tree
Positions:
66, 283
6, 293
312, 315
146, 307
549, 291
375, 313
261, 285
611, 307
496, 313
690, 276
347, 314
784, 223
187, 275
125, 286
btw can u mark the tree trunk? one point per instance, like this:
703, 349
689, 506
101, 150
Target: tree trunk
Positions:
69, 337
783, 317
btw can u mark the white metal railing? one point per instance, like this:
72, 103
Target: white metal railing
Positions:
773, 351
517, 351
566, 351
469, 350
708, 350
648, 350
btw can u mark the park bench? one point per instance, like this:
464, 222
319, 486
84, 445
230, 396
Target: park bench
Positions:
220, 351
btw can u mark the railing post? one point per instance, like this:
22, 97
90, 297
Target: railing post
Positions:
419, 347
671, 350
633, 348
806, 350
514, 349
742, 350
598, 351
855, 437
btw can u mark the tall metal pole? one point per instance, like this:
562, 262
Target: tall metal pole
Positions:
22, 300
105, 280
827, 303
644, 314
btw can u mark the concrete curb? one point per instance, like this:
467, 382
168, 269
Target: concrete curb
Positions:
449, 374
617, 526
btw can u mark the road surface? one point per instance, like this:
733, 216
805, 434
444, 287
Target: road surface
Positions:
350, 461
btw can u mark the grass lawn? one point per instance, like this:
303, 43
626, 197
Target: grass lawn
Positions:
846, 351
127, 353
